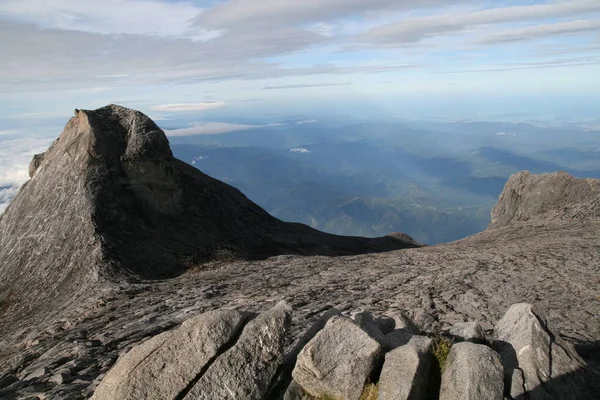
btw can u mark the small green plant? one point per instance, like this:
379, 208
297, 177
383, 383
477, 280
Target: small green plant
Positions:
370, 392
441, 349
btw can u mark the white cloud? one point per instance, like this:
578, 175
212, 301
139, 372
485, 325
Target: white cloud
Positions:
66, 44
15, 156
183, 107
199, 158
215, 128
308, 121
210, 128
299, 150
240, 13
308, 85
416, 29
145, 17
542, 31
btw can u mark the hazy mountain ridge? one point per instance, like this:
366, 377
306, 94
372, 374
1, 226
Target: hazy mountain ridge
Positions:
436, 181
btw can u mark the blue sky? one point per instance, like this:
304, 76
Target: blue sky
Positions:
265, 60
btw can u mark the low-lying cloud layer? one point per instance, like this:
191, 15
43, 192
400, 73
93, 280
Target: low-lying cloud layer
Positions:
186, 107
15, 155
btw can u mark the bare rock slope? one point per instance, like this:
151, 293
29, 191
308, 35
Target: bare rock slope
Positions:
114, 241
109, 202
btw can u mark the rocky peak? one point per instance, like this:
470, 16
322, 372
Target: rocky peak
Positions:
556, 196
112, 133
108, 202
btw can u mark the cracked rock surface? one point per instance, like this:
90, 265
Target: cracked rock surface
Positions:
113, 242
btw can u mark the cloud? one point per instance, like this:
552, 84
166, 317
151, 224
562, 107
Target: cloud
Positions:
65, 45
53, 59
236, 14
183, 107
308, 121
299, 150
553, 63
542, 31
107, 16
416, 29
216, 128
15, 155
309, 85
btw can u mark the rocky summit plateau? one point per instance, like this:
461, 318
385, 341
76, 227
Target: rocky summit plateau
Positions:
127, 274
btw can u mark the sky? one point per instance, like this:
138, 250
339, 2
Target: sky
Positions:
230, 65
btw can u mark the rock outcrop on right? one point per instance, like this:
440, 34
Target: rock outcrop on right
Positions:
556, 196
536, 359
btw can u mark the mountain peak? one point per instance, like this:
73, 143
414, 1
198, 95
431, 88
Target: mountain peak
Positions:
112, 133
108, 202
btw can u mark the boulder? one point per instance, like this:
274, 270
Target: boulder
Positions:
472, 372
389, 332
337, 361
403, 330
467, 332
247, 369
285, 376
367, 323
35, 163
405, 370
529, 347
36, 373
162, 367
295, 392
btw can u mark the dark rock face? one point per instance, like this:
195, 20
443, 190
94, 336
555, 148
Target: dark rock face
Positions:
108, 202
550, 196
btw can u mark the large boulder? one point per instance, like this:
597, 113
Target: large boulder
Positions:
536, 360
247, 369
556, 196
406, 369
294, 390
467, 332
337, 361
162, 367
472, 372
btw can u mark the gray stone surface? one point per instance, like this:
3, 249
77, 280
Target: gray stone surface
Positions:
37, 373
108, 204
65, 299
247, 369
472, 372
295, 392
406, 371
337, 361
528, 346
165, 365
467, 332
528, 197
514, 383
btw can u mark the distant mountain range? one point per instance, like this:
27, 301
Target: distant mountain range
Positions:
435, 181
